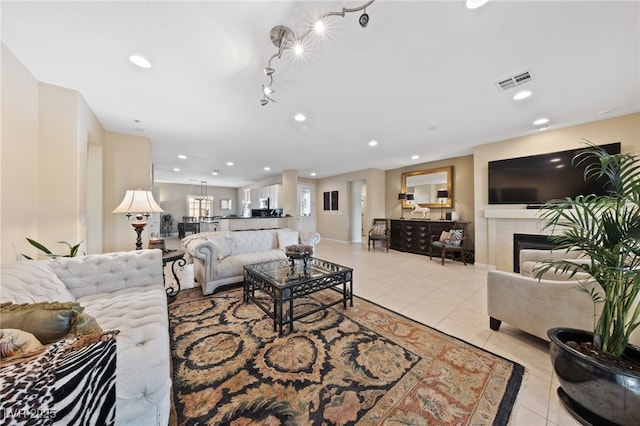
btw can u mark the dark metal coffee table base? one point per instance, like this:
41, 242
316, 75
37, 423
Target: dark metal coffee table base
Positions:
301, 280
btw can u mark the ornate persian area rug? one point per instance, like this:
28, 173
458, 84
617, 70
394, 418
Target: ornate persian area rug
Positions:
364, 365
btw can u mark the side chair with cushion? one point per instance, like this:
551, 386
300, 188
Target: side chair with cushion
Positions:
379, 231
451, 241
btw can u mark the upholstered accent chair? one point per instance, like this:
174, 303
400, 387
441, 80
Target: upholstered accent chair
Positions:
534, 302
451, 241
380, 231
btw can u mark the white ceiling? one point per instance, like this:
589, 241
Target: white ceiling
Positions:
420, 79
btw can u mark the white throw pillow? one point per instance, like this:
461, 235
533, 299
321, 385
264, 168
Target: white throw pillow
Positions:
287, 238
222, 247
32, 281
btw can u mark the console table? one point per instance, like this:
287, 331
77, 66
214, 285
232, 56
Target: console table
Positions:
414, 236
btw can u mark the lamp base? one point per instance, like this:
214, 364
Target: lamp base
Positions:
139, 226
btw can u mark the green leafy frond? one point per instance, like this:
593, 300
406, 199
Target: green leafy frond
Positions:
607, 229
73, 250
39, 246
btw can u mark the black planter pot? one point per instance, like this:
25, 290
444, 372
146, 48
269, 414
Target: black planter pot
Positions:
595, 393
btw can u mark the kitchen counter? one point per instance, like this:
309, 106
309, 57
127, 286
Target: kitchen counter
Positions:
246, 223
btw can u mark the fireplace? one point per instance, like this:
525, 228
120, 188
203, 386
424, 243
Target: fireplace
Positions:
528, 241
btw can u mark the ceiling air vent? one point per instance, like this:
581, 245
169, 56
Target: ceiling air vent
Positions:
516, 80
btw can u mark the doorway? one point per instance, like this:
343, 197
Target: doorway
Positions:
357, 190
306, 207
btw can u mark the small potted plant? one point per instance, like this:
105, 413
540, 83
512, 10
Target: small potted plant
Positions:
73, 250
598, 370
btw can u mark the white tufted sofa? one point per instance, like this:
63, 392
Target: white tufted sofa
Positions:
218, 257
123, 291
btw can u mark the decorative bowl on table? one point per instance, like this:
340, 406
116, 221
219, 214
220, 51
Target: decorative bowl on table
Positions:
298, 251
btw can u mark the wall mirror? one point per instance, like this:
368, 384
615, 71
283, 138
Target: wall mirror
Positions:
425, 184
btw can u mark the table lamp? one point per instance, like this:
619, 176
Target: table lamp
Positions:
443, 194
138, 206
402, 196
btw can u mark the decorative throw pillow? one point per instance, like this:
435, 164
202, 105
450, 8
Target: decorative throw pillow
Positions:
455, 237
16, 342
68, 382
378, 229
48, 321
32, 281
287, 238
84, 324
444, 237
222, 247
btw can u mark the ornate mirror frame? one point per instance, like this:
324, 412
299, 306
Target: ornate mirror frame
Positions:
424, 184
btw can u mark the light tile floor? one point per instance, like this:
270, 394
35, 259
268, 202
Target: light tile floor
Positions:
452, 299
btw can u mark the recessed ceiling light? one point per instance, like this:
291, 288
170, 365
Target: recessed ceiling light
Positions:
267, 168
182, 157
229, 163
474, 4
176, 169
140, 61
540, 121
523, 94
605, 112
373, 143
299, 117
313, 173
415, 157
542, 128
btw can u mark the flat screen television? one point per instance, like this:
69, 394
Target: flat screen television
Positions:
536, 179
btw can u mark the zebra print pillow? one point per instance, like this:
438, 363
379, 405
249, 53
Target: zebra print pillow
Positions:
70, 382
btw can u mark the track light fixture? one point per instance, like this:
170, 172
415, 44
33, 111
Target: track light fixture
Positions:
284, 38
364, 19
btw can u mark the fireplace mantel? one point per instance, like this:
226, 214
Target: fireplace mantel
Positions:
511, 213
502, 224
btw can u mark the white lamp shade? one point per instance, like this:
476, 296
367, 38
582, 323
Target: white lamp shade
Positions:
138, 201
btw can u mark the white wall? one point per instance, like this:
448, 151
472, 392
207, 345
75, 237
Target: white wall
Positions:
463, 184
50, 188
127, 165
625, 129
336, 224
19, 207
61, 178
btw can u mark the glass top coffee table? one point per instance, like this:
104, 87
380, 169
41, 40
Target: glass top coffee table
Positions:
283, 281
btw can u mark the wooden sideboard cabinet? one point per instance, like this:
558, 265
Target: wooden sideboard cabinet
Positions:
414, 236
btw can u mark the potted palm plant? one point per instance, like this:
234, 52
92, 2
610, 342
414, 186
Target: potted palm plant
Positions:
598, 370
